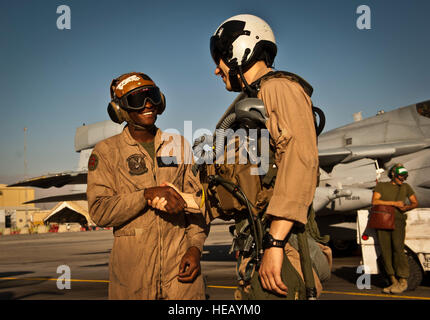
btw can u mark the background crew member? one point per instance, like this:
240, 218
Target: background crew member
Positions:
392, 242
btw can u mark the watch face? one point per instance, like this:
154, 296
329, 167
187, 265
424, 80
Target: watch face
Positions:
269, 242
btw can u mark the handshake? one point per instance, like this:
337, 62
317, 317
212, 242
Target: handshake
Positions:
166, 198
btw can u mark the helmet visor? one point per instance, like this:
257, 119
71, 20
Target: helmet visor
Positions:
221, 43
136, 99
216, 51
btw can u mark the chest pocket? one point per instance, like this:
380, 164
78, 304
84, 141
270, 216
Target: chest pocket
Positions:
169, 170
135, 173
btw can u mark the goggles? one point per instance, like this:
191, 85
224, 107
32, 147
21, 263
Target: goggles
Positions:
136, 99
403, 176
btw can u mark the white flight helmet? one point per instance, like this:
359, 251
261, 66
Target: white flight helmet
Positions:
242, 40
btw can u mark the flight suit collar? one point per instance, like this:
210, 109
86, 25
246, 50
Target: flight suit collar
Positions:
158, 141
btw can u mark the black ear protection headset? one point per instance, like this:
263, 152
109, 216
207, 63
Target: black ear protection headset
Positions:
116, 113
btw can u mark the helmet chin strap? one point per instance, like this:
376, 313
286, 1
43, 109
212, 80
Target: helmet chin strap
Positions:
247, 88
137, 126
234, 81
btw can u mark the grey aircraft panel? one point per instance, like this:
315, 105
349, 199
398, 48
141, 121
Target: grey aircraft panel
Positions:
401, 135
403, 124
87, 136
57, 180
398, 136
58, 198
356, 152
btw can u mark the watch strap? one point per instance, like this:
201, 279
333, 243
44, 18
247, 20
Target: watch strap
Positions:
269, 242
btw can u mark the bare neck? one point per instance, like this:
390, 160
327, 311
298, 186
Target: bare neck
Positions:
143, 135
256, 71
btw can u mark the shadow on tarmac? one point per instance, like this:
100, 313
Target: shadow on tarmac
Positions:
217, 253
13, 273
349, 274
90, 253
14, 283
96, 265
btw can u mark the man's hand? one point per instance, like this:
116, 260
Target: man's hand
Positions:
188, 197
189, 267
399, 204
165, 197
270, 271
158, 203
271, 264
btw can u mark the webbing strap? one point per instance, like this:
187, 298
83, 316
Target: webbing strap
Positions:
284, 74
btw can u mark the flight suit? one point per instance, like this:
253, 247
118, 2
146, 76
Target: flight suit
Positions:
293, 137
148, 244
292, 133
392, 242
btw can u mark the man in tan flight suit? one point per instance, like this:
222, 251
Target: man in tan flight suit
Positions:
243, 48
140, 183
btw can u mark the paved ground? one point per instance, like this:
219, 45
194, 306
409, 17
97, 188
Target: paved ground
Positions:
28, 269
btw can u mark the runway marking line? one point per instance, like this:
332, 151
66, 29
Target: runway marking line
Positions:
377, 295
53, 279
348, 293
229, 287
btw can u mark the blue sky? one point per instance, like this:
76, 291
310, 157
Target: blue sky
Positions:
53, 81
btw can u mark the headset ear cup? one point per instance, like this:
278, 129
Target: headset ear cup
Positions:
390, 174
162, 107
116, 114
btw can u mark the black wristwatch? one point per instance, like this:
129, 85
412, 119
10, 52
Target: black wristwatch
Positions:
269, 242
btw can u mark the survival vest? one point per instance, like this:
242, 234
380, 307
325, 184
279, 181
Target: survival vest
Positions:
258, 190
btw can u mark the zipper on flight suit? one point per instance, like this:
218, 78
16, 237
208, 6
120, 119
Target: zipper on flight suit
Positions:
159, 294
160, 237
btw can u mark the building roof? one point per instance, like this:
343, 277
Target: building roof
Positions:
80, 207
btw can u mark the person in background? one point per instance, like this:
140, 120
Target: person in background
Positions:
392, 242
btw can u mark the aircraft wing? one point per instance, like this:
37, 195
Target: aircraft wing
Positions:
347, 154
64, 197
57, 180
327, 157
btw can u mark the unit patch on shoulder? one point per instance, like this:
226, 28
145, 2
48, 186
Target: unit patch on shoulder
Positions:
93, 161
136, 164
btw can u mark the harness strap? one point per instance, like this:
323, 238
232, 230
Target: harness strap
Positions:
256, 85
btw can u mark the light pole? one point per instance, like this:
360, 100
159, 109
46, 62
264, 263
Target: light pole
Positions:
25, 153
25, 173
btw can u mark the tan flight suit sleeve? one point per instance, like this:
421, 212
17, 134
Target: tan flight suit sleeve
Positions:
106, 207
292, 129
197, 228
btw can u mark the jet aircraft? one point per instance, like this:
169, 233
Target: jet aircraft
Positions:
352, 159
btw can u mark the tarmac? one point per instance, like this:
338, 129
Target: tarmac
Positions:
35, 267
